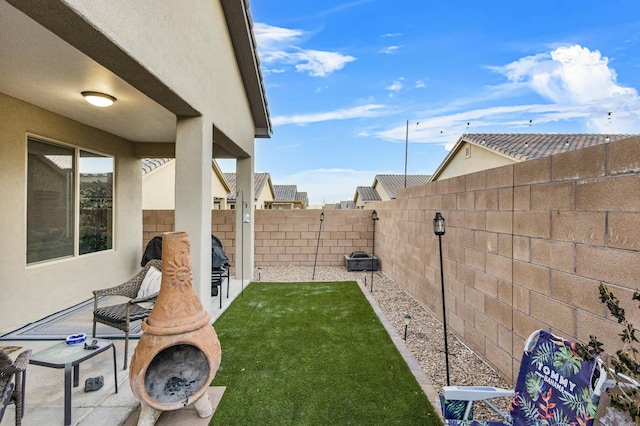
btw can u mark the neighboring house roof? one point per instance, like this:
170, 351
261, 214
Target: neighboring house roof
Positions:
367, 193
342, 205
150, 164
260, 180
302, 196
285, 192
289, 194
527, 146
391, 183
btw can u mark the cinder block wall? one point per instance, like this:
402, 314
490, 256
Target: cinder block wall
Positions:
155, 222
526, 246
284, 237
290, 237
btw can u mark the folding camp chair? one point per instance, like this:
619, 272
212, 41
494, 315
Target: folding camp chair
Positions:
555, 386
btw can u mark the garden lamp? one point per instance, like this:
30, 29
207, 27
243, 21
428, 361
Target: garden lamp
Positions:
407, 321
438, 229
374, 218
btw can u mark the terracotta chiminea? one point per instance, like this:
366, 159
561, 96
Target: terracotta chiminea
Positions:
179, 353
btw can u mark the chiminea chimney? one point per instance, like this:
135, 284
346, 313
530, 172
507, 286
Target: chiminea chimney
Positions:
178, 354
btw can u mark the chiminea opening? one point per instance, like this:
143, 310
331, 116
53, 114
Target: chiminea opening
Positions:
176, 373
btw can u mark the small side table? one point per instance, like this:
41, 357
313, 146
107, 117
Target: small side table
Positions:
67, 356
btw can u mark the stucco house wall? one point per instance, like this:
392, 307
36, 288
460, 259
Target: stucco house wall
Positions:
159, 188
477, 160
29, 292
180, 59
266, 194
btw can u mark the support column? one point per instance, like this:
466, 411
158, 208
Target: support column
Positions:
194, 144
244, 231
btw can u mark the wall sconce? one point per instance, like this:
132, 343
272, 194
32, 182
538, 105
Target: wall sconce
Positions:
98, 99
407, 321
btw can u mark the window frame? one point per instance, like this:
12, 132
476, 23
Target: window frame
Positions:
76, 198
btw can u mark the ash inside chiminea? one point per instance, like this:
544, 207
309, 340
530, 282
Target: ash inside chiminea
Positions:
176, 373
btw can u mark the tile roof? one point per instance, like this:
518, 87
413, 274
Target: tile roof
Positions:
285, 192
368, 193
302, 196
260, 180
527, 146
150, 164
391, 183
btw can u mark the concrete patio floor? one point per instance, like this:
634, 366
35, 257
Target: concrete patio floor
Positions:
44, 403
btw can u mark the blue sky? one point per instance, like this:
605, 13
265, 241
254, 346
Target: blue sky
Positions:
343, 78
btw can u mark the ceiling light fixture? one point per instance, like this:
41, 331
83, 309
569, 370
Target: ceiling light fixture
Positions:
99, 99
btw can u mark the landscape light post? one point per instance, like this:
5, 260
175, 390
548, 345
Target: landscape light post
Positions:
439, 229
317, 245
407, 321
374, 217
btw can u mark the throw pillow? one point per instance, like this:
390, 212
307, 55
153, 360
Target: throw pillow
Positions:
150, 283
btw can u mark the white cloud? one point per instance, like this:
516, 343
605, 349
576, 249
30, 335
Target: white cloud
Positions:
369, 110
319, 63
278, 46
579, 85
389, 50
576, 76
269, 37
396, 86
420, 84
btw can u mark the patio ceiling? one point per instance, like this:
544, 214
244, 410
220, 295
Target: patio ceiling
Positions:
41, 68
51, 54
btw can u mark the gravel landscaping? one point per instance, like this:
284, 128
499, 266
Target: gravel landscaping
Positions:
425, 337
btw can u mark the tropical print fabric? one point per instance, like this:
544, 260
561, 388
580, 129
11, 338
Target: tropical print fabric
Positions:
454, 409
553, 387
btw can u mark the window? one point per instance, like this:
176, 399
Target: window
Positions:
69, 194
96, 202
467, 151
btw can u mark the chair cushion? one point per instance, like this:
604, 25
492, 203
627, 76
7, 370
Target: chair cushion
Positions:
116, 313
150, 284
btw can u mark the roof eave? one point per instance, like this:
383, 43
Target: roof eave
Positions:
240, 28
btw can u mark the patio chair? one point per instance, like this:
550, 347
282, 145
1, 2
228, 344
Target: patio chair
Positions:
139, 291
13, 375
555, 386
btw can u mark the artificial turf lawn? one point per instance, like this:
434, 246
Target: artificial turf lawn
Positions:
312, 354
